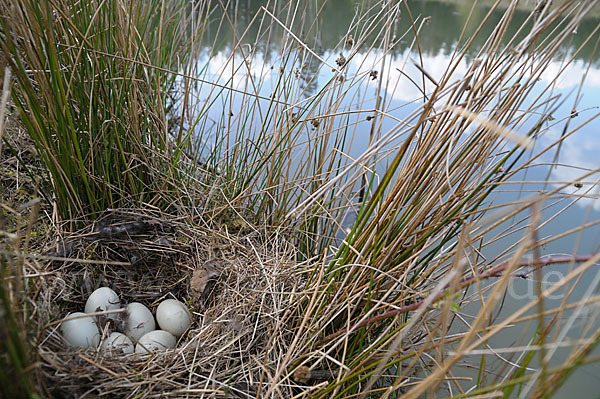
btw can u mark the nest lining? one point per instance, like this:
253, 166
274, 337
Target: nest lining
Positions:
236, 335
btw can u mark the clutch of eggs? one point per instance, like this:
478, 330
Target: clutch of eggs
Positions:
80, 330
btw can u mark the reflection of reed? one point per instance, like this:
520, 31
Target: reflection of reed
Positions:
322, 28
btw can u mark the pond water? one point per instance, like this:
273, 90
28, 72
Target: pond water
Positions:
325, 32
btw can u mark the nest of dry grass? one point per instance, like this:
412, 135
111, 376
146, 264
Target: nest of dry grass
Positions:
236, 339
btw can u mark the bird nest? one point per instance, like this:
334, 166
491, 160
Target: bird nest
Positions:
239, 287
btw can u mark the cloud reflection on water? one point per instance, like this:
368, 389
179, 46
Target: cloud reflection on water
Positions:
579, 151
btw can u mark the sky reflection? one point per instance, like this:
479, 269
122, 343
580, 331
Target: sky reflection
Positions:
578, 153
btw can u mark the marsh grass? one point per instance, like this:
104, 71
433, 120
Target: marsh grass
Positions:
91, 101
271, 153
15, 360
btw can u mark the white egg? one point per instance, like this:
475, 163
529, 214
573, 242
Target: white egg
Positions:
173, 316
103, 299
138, 321
155, 341
118, 343
80, 332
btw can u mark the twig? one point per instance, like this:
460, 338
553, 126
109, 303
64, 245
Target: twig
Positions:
493, 272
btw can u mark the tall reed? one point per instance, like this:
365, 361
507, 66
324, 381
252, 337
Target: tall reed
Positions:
379, 305
91, 98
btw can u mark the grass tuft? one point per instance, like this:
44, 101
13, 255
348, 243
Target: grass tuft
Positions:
92, 103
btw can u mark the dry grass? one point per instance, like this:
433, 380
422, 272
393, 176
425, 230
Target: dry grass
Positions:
238, 336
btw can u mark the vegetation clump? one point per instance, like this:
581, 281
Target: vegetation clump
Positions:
312, 269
